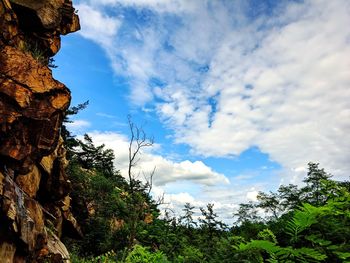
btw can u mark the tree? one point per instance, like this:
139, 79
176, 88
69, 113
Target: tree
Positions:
94, 157
209, 220
70, 141
187, 218
246, 213
270, 202
138, 192
290, 197
315, 192
138, 141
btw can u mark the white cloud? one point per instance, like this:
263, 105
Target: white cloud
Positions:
183, 182
158, 5
77, 125
97, 26
226, 200
278, 82
252, 195
105, 115
283, 89
167, 171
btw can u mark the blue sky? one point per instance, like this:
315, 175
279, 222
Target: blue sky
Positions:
239, 95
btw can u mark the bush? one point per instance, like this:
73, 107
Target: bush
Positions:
141, 254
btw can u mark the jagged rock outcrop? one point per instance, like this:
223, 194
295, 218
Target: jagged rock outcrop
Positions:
34, 189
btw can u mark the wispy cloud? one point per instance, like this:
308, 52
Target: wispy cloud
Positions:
78, 126
105, 115
225, 81
98, 26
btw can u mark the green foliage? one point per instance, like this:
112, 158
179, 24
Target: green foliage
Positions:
246, 213
190, 254
70, 140
301, 220
39, 53
315, 191
141, 254
267, 235
270, 203
109, 257
281, 254
187, 218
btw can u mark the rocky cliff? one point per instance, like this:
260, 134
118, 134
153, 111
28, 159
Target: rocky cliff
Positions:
34, 189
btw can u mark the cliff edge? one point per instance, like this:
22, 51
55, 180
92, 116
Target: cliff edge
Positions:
34, 189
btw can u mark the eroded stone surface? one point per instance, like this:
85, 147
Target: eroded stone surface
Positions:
30, 182
33, 185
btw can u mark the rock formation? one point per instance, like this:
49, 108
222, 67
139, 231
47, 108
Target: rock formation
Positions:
34, 189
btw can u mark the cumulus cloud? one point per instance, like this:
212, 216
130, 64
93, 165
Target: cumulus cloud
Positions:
183, 182
225, 80
226, 199
166, 171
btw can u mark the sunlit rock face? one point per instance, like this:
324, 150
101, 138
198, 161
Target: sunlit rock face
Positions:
34, 189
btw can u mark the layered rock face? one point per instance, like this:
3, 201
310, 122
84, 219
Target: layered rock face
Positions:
34, 189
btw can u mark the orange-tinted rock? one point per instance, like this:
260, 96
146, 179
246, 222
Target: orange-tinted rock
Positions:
48, 19
30, 182
21, 95
73, 26
46, 163
32, 224
32, 107
27, 71
2, 178
54, 44
24, 83
45, 11
7, 252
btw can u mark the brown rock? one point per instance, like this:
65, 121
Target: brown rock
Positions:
2, 178
25, 81
8, 24
7, 252
49, 12
54, 44
45, 11
32, 107
54, 218
57, 249
32, 224
30, 182
72, 226
27, 71
47, 19
66, 203
21, 95
73, 26
47, 163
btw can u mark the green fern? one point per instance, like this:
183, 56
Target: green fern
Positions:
283, 254
302, 219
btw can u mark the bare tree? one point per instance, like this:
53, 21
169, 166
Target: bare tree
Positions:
137, 202
138, 140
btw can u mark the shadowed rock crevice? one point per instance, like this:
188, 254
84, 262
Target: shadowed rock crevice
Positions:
34, 189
